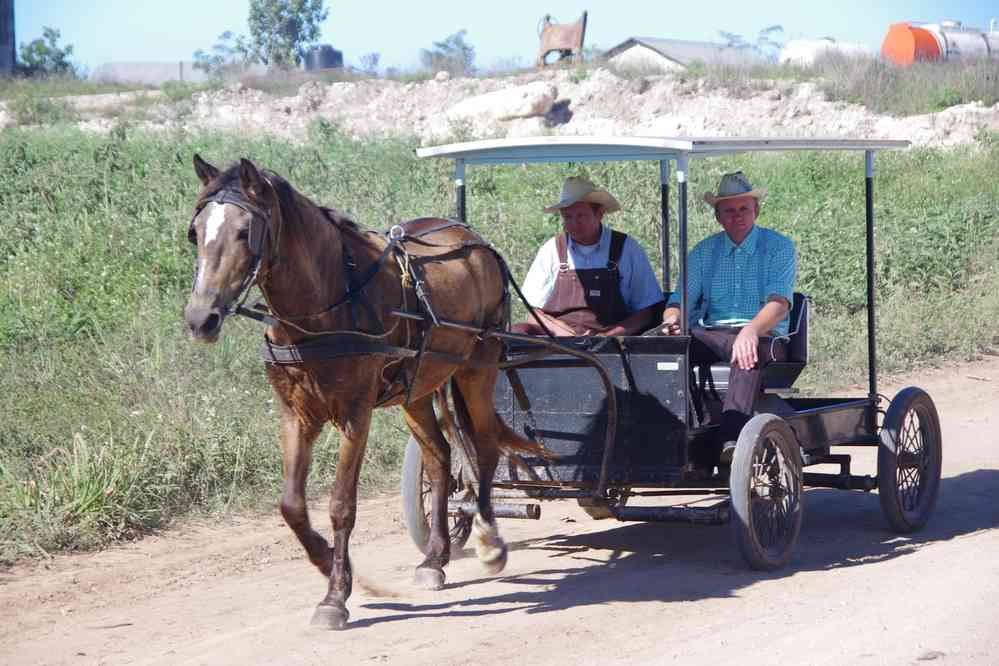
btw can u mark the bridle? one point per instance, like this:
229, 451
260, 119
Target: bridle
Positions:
259, 235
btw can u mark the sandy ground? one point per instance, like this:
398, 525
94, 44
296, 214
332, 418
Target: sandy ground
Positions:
575, 590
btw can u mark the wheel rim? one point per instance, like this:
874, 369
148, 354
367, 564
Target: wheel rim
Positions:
459, 526
774, 494
912, 457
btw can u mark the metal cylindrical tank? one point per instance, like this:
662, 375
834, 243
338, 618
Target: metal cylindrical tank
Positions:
904, 44
323, 56
948, 40
957, 41
804, 52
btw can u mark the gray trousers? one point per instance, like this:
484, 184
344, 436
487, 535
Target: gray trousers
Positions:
714, 346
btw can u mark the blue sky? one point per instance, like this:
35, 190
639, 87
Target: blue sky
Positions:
503, 33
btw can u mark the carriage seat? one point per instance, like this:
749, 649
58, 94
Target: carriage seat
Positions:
780, 376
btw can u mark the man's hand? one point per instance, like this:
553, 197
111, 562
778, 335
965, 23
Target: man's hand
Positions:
744, 349
671, 321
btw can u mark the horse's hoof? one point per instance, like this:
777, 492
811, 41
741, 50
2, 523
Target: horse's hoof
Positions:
429, 579
330, 617
495, 561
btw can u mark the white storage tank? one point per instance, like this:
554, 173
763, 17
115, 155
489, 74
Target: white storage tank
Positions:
804, 52
947, 40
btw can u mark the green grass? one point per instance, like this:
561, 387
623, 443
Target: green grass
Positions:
59, 87
114, 423
923, 87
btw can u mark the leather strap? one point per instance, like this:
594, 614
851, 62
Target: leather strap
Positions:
328, 347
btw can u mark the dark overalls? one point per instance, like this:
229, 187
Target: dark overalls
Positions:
587, 299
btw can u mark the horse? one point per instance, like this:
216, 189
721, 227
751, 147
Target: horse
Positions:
337, 346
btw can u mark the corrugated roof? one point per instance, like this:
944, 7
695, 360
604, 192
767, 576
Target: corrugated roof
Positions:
686, 53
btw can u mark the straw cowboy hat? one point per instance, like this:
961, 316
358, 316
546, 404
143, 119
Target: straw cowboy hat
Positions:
576, 189
734, 185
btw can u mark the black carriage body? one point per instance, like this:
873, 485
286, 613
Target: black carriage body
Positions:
568, 404
656, 429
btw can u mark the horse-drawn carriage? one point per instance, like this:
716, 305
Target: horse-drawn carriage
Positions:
623, 415
359, 320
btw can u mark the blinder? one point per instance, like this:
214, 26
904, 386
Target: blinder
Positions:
258, 230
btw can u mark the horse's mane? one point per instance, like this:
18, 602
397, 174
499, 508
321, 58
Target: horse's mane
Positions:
290, 200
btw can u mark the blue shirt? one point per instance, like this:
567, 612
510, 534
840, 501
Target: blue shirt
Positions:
743, 278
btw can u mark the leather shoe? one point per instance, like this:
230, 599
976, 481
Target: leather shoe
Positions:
694, 472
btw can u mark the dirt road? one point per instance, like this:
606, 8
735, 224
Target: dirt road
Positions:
575, 590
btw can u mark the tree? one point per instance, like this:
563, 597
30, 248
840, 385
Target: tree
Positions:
766, 45
453, 55
44, 56
282, 31
369, 63
230, 52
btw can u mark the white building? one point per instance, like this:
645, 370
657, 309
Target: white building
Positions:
670, 55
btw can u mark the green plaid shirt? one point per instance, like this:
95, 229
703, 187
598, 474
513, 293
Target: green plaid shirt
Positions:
743, 278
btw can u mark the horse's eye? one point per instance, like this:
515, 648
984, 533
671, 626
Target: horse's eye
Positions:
243, 234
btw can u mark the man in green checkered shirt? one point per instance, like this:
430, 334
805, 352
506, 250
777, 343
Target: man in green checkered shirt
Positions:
740, 284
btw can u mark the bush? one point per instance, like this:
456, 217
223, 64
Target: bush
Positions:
30, 108
44, 56
453, 55
923, 87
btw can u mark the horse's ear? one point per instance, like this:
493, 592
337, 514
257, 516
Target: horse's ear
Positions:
250, 180
206, 172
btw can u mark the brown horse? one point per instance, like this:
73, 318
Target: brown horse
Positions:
336, 349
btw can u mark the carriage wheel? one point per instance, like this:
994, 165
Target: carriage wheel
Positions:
766, 488
909, 460
416, 499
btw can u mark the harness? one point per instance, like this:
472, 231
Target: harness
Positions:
328, 345
325, 345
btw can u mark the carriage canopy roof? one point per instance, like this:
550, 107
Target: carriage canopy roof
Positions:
623, 148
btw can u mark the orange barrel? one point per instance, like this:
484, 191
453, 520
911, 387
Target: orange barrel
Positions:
904, 44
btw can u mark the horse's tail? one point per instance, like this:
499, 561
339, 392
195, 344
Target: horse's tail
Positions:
510, 442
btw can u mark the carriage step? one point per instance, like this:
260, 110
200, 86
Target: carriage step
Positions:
701, 515
500, 510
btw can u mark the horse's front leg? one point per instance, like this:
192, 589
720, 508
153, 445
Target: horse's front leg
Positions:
353, 422
297, 438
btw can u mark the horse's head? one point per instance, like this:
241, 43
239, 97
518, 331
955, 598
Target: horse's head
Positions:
231, 229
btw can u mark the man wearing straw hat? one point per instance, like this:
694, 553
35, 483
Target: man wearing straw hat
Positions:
740, 283
590, 280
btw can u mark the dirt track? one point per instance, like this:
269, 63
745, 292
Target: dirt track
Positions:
575, 590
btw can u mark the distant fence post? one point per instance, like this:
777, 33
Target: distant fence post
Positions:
180, 66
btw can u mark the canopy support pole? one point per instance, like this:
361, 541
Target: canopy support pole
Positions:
664, 217
681, 210
872, 367
459, 189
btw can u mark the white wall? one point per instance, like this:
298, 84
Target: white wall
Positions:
643, 59
156, 73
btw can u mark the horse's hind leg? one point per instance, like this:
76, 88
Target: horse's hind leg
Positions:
436, 452
297, 438
473, 401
